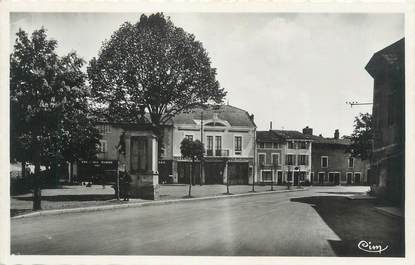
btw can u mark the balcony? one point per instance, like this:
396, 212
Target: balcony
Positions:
217, 153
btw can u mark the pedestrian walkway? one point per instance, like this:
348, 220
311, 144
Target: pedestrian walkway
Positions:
97, 195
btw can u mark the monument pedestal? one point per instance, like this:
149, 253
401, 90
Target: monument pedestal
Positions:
142, 164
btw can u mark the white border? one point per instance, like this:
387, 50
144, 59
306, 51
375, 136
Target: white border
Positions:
346, 6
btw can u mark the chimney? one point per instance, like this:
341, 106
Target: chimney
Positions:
270, 125
336, 134
308, 131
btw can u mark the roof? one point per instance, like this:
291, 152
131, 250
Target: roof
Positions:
268, 136
287, 134
391, 58
330, 141
235, 116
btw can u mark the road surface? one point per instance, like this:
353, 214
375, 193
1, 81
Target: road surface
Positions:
317, 222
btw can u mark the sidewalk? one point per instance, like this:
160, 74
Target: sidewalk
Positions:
69, 197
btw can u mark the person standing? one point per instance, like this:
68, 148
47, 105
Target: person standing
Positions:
126, 186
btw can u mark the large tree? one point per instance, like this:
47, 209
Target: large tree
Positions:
154, 65
362, 137
48, 106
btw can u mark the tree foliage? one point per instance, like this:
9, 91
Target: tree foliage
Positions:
154, 64
48, 103
191, 149
362, 137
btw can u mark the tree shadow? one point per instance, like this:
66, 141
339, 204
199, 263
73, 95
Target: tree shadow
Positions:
357, 220
83, 197
342, 192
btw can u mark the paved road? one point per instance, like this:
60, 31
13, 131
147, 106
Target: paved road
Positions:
317, 222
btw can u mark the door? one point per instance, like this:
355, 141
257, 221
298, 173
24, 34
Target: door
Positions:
279, 182
238, 173
296, 177
349, 178
357, 178
321, 178
214, 173
337, 178
331, 177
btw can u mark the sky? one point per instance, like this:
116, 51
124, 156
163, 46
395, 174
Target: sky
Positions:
294, 69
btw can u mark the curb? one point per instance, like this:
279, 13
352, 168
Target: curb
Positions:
143, 204
388, 213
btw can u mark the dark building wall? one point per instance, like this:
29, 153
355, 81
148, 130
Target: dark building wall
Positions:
387, 67
338, 161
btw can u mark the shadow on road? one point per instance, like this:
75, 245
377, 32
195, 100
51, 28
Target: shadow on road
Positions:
342, 192
354, 221
85, 197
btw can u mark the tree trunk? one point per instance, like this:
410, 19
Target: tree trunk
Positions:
37, 193
191, 178
23, 169
71, 172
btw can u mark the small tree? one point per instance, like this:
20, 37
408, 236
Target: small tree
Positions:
362, 137
192, 150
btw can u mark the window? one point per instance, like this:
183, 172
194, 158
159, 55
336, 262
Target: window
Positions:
268, 145
218, 142
275, 146
218, 147
302, 145
302, 159
324, 161
103, 146
291, 145
238, 145
209, 144
104, 128
189, 137
351, 162
290, 159
261, 159
218, 124
275, 159
261, 145
267, 176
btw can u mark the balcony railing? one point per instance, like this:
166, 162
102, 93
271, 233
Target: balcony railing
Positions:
218, 152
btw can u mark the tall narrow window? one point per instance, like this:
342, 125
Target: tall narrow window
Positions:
351, 162
290, 160
261, 159
238, 145
302, 159
218, 143
324, 161
209, 150
275, 159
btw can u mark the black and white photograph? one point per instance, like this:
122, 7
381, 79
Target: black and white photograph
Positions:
224, 134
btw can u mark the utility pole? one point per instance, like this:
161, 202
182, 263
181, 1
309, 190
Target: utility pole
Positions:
201, 140
254, 164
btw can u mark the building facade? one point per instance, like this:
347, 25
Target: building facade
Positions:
387, 67
283, 156
333, 165
228, 135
